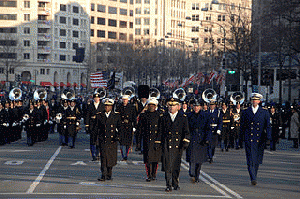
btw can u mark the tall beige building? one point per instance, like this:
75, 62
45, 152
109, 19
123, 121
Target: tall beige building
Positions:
39, 40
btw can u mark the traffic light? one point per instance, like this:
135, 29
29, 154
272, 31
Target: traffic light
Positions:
17, 77
79, 55
231, 72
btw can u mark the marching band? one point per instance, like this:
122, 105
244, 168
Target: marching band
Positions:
160, 129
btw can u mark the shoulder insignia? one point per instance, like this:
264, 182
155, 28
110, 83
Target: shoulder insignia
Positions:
184, 115
117, 112
161, 115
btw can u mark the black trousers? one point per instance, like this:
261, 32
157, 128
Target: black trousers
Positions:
195, 169
172, 168
151, 169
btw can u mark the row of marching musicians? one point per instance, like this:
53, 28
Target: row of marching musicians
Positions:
14, 116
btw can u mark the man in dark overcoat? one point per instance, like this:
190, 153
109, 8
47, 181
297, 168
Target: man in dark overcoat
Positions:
128, 122
197, 150
226, 119
151, 136
216, 123
60, 119
175, 138
108, 123
255, 125
92, 111
275, 121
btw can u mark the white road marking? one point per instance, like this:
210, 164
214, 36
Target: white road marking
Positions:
172, 194
269, 152
215, 182
14, 162
79, 163
41, 175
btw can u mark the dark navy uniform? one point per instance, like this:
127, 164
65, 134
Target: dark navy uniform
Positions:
256, 130
151, 136
275, 125
235, 127
175, 134
61, 124
73, 116
216, 123
197, 150
226, 119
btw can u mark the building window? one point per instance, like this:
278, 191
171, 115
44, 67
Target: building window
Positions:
1, 70
130, 24
208, 17
75, 9
100, 21
146, 31
75, 33
62, 44
62, 32
195, 29
123, 11
75, 45
92, 32
146, 21
137, 31
101, 33
5, 3
26, 43
146, 1
218, 40
92, 7
8, 17
195, 17
26, 17
147, 11
26, 55
63, 7
62, 20
130, 37
123, 36
131, 13
138, 1
75, 22
123, 24
112, 22
101, 8
26, 30
195, 6
205, 40
62, 57
92, 20
138, 11
8, 30
123, 1
137, 21
48, 71
42, 71
26, 4
112, 35
112, 10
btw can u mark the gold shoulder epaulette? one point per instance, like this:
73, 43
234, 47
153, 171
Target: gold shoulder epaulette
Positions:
117, 112
161, 115
184, 115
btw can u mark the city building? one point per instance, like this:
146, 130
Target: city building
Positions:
41, 39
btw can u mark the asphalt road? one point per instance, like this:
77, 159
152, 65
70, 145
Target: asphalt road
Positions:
47, 170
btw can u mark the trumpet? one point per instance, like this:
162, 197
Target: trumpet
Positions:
58, 116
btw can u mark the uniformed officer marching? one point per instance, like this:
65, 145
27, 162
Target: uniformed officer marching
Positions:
61, 123
151, 136
128, 122
93, 110
108, 123
255, 125
216, 123
226, 127
73, 116
175, 138
235, 125
197, 150
30, 123
275, 127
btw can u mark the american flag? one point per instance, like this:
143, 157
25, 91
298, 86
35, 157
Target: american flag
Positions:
99, 79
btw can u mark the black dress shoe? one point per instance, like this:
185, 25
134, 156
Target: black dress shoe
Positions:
176, 187
108, 178
94, 159
148, 179
254, 182
101, 179
197, 180
153, 178
210, 161
168, 189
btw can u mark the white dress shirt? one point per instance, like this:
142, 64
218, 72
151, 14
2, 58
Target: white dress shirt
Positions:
255, 109
173, 116
107, 114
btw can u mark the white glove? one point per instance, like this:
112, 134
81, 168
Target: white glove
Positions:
219, 132
134, 129
280, 127
65, 127
5, 124
38, 125
77, 123
14, 124
232, 127
45, 122
50, 122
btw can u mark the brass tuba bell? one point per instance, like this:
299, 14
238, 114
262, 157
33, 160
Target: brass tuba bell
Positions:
237, 97
101, 91
130, 91
15, 94
209, 95
68, 94
154, 93
40, 93
180, 94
